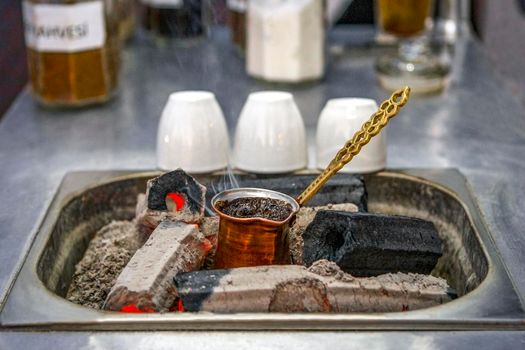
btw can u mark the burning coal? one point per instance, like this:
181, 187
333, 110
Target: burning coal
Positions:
172, 259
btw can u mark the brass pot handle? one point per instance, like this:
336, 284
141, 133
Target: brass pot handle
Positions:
387, 110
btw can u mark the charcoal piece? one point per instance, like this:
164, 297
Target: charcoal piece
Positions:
186, 193
341, 188
291, 288
365, 244
145, 284
303, 218
179, 182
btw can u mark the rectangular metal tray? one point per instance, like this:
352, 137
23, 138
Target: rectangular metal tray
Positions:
487, 298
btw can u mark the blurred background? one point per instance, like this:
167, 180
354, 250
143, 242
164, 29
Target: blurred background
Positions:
499, 25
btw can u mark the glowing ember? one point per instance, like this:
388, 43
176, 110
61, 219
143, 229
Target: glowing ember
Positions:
177, 199
178, 306
207, 246
133, 309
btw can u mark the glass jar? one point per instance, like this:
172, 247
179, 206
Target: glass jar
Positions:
126, 18
73, 50
237, 22
416, 62
177, 21
285, 40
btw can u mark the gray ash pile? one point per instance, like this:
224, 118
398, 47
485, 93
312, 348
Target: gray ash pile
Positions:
106, 256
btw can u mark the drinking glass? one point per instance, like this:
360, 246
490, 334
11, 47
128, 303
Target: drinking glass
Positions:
414, 63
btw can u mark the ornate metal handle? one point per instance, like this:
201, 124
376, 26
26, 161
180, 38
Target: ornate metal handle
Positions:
388, 109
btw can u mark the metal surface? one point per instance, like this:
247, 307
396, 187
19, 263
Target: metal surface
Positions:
474, 125
387, 110
87, 201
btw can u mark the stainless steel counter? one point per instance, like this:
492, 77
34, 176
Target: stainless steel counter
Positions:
473, 126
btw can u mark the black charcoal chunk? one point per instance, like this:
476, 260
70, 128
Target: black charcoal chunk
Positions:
193, 288
341, 188
176, 181
293, 288
365, 244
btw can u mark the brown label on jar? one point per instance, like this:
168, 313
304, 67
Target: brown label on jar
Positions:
64, 28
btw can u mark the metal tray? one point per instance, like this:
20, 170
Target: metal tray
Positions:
486, 296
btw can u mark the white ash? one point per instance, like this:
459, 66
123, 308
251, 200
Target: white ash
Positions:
327, 269
209, 226
106, 256
147, 280
210, 229
408, 281
322, 288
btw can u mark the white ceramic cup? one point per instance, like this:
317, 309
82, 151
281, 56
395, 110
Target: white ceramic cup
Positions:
192, 133
270, 135
338, 122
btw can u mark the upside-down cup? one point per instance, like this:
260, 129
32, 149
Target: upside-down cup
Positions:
270, 136
339, 120
192, 133
253, 241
